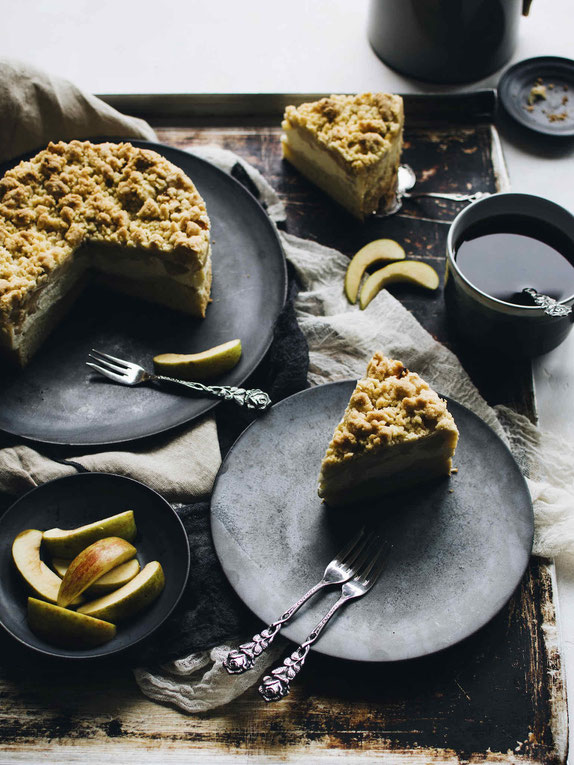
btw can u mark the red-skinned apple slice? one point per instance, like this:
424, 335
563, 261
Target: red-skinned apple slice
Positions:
115, 578
92, 563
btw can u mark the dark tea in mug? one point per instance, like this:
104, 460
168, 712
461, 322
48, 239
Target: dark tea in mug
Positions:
503, 255
496, 248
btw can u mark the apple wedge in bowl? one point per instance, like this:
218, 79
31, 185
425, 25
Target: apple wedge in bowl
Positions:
61, 519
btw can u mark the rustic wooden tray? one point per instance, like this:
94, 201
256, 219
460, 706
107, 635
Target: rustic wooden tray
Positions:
497, 697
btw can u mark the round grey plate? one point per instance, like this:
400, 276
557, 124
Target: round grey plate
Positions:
460, 544
58, 399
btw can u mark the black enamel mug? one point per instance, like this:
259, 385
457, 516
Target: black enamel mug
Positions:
445, 40
490, 323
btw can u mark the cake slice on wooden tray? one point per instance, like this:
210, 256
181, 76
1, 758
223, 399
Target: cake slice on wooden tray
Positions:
122, 211
395, 433
349, 146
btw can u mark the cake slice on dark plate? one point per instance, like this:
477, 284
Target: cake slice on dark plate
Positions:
395, 433
349, 146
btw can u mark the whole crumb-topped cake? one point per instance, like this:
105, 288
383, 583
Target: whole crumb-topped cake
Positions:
124, 211
395, 433
350, 146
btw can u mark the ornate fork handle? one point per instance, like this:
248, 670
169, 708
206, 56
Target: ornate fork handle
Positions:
278, 684
455, 197
243, 658
252, 399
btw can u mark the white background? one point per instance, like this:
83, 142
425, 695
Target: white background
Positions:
225, 46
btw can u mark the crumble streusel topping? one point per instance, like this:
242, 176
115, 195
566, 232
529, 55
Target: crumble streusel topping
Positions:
359, 128
76, 192
390, 405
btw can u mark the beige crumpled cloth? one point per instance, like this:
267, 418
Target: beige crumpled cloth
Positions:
36, 108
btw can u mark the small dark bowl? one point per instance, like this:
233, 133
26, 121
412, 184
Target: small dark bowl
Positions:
85, 498
515, 330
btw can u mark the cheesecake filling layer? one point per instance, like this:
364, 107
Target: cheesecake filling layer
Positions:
359, 192
322, 170
141, 274
404, 466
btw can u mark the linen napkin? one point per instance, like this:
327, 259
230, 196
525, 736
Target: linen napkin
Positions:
36, 108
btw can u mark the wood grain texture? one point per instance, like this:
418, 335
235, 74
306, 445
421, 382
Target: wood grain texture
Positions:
497, 697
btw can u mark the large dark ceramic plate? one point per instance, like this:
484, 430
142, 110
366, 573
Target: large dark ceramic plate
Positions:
58, 399
515, 85
460, 544
74, 501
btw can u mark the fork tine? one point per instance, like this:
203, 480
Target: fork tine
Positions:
374, 566
365, 554
107, 372
107, 356
344, 555
108, 364
382, 561
351, 561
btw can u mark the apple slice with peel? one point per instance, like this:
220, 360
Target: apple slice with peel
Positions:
411, 271
373, 252
129, 599
92, 563
115, 578
199, 366
67, 543
26, 555
69, 629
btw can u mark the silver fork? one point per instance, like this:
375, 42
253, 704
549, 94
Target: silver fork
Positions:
338, 571
128, 373
369, 567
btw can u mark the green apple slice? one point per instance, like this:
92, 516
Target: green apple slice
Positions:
131, 598
26, 555
65, 628
92, 563
199, 366
67, 543
411, 271
115, 578
373, 252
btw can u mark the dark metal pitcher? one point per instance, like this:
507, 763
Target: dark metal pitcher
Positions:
445, 40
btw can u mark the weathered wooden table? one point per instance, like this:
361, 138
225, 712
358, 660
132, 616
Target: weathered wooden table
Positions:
496, 697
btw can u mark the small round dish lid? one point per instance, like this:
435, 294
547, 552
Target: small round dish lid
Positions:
539, 94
